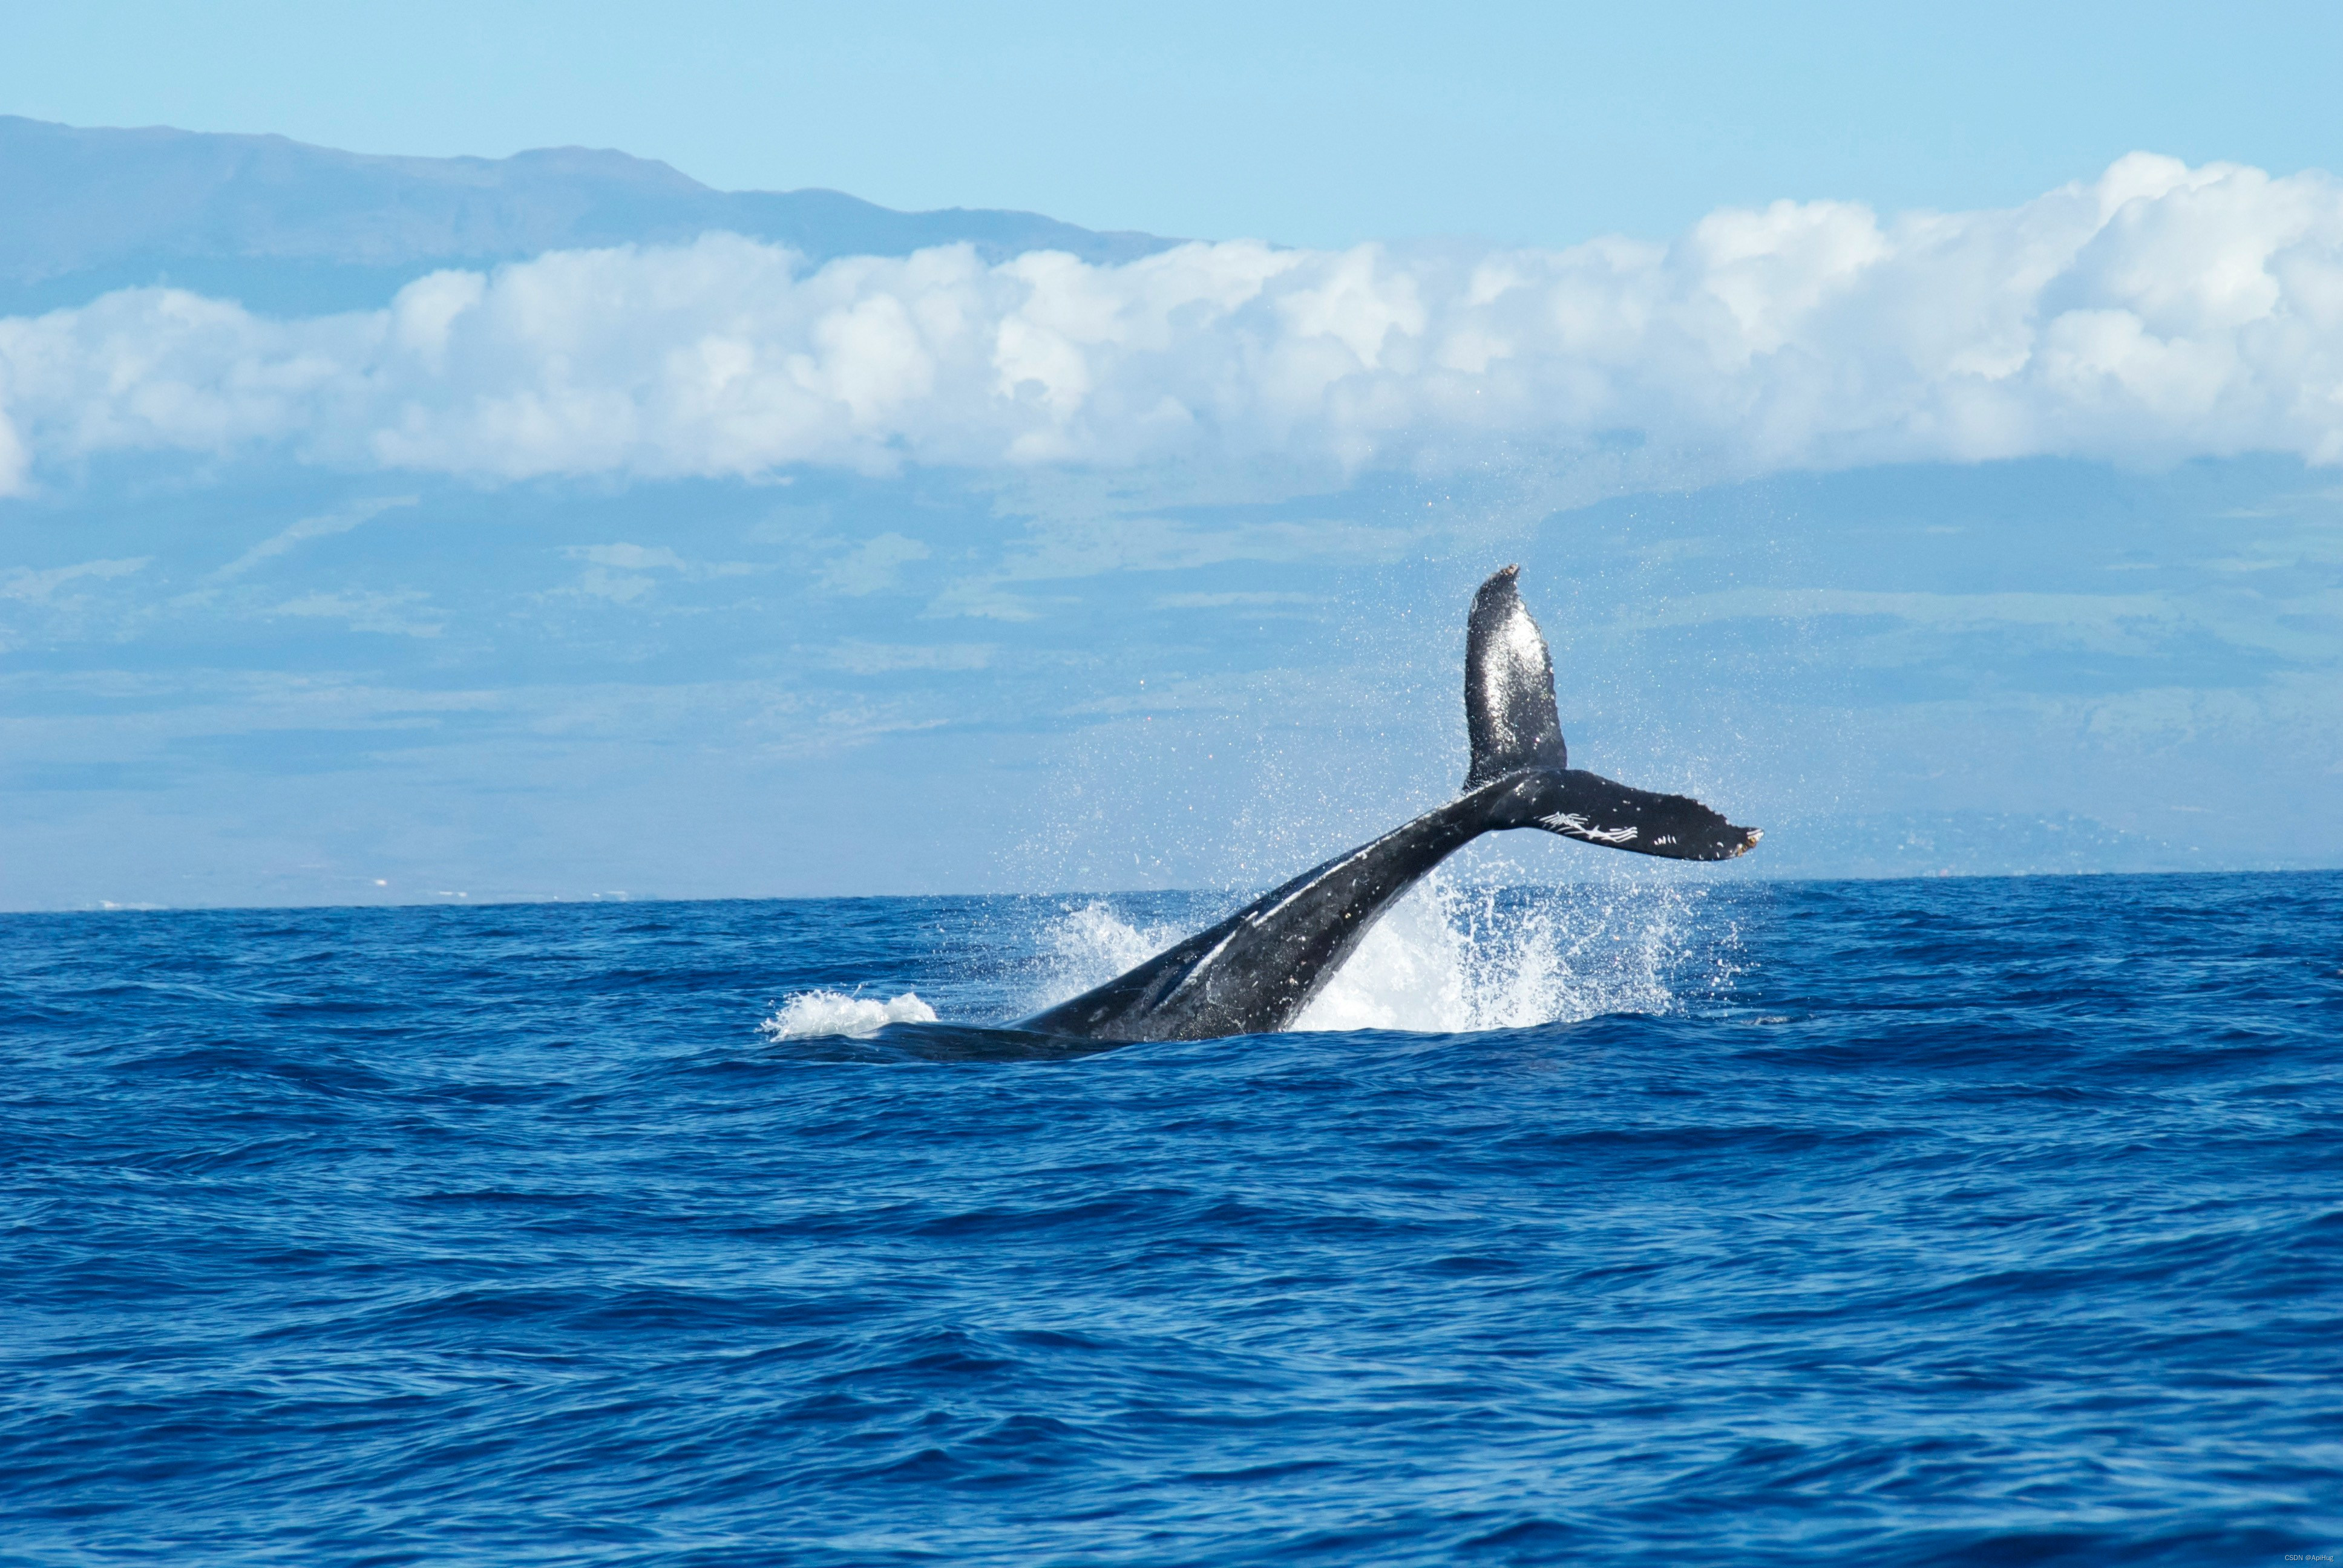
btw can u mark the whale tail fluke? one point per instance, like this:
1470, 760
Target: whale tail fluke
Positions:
1516, 732
1593, 810
1508, 708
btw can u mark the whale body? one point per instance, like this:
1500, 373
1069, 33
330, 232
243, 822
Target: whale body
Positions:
1256, 970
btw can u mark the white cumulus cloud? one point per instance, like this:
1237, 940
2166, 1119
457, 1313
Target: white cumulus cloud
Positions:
2158, 312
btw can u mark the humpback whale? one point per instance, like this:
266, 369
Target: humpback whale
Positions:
1256, 970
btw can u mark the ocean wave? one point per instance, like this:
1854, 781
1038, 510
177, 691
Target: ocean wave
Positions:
1910, 1225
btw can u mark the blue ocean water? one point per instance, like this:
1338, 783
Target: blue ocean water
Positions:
1923, 1221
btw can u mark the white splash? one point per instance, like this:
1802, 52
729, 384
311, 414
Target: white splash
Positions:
814, 1014
1091, 944
1449, 960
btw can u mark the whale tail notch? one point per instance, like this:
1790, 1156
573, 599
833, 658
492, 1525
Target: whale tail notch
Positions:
1509, 706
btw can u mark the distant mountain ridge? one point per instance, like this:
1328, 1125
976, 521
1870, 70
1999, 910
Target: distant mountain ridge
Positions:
290, 228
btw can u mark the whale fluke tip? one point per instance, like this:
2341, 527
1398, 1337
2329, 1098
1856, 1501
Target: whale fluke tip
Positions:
1508, 708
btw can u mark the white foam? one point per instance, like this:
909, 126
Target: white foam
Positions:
816, 1014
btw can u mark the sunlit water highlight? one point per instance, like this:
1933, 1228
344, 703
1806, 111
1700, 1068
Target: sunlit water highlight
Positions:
1989, 1222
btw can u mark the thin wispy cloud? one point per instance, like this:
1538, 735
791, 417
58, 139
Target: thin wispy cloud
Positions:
873, 565
323, 526
406, 614
39, 587
2156, 313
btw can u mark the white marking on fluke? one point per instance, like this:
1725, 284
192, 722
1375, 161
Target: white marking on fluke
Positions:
1572, 823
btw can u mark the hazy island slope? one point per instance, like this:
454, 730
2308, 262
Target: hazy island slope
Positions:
289, 229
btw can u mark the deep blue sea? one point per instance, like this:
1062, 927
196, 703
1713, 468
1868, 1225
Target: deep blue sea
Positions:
1888, 1222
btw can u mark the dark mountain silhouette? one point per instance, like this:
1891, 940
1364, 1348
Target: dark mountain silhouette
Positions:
290, 228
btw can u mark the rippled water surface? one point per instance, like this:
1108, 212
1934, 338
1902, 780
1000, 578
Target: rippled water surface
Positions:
1885, 1222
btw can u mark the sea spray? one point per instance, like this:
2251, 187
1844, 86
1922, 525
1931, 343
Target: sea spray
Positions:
1088, 944
1454, 957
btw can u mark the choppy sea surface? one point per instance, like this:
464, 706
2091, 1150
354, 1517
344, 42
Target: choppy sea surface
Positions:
1925, 1221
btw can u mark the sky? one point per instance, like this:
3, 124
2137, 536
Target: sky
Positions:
1302, 124
1922, 440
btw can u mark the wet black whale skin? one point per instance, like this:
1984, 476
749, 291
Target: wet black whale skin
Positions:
1256, 970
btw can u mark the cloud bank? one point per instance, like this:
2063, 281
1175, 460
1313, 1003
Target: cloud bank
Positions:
2159, 312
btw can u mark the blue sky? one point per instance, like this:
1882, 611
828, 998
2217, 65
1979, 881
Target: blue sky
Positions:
1923, 440
1306, 124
